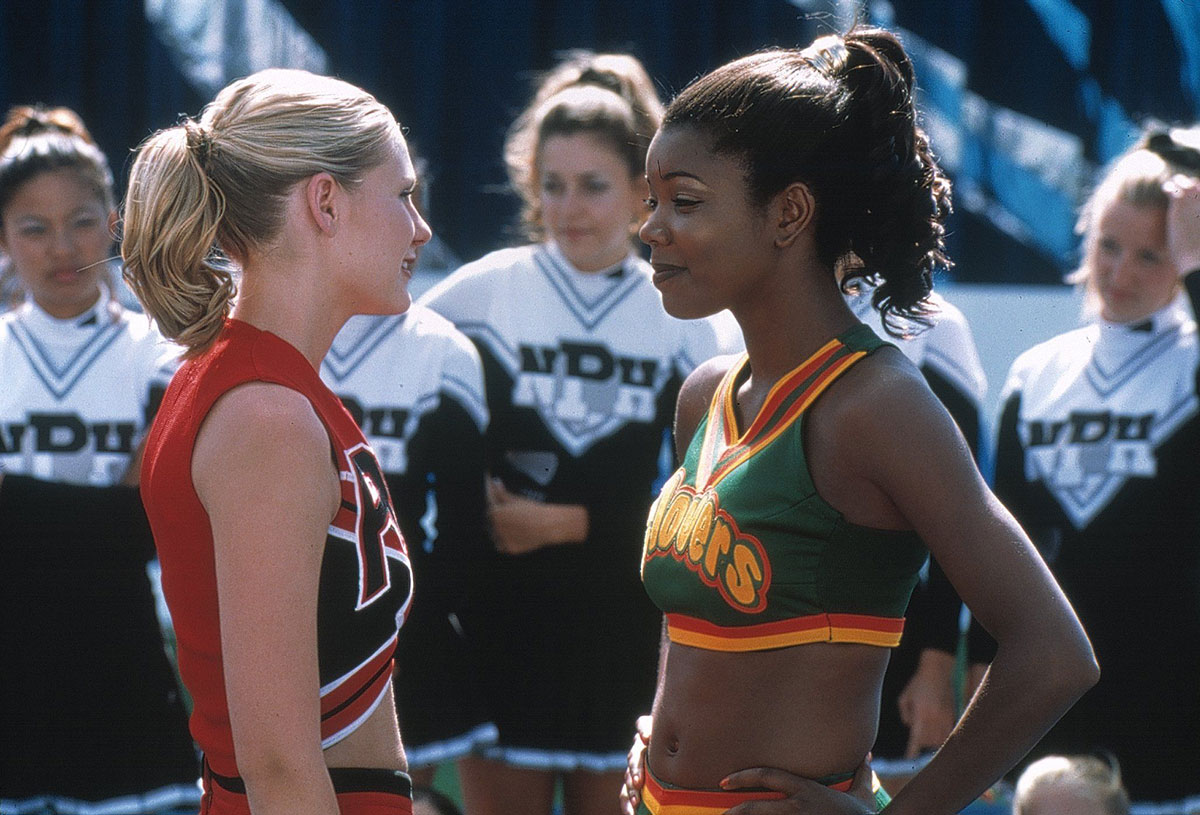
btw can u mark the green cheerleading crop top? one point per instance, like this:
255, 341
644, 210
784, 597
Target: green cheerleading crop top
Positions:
742, 554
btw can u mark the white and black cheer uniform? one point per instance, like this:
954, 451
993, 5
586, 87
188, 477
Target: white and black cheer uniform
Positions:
414, 384
1098, 457
582, 371
90, 708
946, 354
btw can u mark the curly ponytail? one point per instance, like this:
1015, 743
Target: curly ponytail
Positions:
839, 117
205, 194
899, 238
173, 213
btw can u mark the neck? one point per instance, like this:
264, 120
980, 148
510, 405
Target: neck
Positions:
605, 265
783, 327
70, 312
288, 302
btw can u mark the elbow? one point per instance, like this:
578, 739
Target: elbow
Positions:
264, 770
1077, 671
1086, 666
275, 776
1089, 672
1065, 669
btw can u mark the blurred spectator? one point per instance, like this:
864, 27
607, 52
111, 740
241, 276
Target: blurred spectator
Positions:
1099, 458
582, 367
90, 707
1071, 785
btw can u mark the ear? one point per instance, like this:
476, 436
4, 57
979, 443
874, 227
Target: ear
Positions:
114, 218
322, 197
793, 210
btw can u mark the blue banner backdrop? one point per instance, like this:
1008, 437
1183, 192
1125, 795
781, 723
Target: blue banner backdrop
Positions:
1024, 99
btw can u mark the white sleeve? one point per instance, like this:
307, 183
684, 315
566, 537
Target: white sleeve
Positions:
457, 297
462, 377
950, 349
698, 344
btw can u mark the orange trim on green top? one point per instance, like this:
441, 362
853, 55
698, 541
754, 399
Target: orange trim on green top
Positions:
864, 629
715, 430
778, 393
785, 402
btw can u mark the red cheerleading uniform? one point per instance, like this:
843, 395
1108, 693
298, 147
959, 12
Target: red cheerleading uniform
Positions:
365, 581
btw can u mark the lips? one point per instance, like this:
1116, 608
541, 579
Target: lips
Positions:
665, 271
69, 274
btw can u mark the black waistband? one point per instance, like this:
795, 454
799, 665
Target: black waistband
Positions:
345, 779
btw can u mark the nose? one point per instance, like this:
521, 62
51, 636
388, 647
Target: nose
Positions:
572, 200
1123, 273
652, 232
422, 233
62, 242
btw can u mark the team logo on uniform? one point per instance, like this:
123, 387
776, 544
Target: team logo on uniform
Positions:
389, 429
60, 378
1085, 436
65, 447
584, 391
1085, 458
376, 530
692, 528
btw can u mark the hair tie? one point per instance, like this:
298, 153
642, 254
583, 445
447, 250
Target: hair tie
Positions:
199, 141
1163, 144
601, 79
40, 120
37, 122
827, 55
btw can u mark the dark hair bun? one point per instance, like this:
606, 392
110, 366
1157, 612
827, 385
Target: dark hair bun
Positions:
839, 117
30, 120
900, 238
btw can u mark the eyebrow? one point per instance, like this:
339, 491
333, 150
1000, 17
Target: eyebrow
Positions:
675, 174
679, 174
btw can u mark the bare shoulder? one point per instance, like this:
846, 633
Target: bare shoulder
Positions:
877, 433
260, 433
696, 394
884, 389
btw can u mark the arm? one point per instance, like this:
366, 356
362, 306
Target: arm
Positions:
1043, 661
448, 447
1191, 282
1013, 490
521, 525
1183, 238
694, 398
518, 523
929, 703
262, 469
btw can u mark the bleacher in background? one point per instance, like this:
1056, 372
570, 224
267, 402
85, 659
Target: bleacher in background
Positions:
1024, 97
